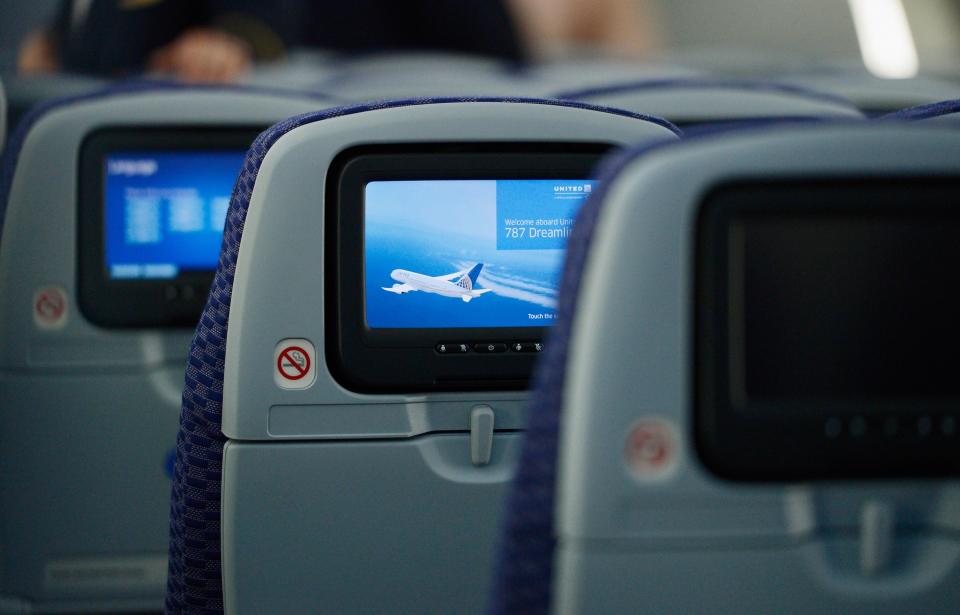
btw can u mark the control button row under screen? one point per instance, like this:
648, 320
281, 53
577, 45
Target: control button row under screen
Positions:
488, 347
891, 426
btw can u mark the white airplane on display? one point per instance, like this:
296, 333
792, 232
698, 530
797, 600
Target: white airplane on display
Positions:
439, 285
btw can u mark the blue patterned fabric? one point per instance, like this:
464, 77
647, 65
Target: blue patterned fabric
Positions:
11, 151
524, 569
925, 112
743, 85
194, 583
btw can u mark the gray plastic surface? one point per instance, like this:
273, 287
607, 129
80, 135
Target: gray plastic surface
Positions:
302, 69
874, 94
582, 72
683, 540
370, 510
287, 209
716, 103
407, 526
23, 92
415, 75
88, 415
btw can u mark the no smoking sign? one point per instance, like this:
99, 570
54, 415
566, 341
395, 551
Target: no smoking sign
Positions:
651, 450
294, 364
50, 308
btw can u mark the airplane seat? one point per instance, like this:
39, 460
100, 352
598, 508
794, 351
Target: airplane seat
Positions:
691, 101
26, 92
874, 95
389, 76
944, 111
349, 415
745, 404
109, 206
581, 72
377, 77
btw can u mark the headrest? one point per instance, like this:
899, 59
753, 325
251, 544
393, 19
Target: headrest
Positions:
378, 77
246, 99
688, 101
40, 198
582, 72
875, 95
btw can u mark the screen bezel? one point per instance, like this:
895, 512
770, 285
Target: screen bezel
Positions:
139, 303
366, 359
793, 440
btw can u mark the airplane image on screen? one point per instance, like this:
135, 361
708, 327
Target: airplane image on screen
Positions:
439, 285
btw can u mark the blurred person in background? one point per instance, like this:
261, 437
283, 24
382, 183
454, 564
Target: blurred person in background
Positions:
220, 40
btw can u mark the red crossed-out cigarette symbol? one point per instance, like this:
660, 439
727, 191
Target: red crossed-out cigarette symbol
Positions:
293, 363
650, 447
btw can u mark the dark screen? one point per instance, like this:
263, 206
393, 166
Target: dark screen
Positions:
844, 306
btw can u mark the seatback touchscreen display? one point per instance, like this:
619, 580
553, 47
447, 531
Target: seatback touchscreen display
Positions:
165, 211
151, 211
466, 253
444, 260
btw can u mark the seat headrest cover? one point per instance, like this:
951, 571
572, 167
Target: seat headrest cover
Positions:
11, 152
925, 112
697, 84
194, 578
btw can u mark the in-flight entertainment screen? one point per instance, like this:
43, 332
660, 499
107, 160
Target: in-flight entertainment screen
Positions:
480, 253
164, 212
826, 329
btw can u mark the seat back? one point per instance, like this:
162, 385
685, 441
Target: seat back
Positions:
689, 416
698, 101
88, 410
370, 484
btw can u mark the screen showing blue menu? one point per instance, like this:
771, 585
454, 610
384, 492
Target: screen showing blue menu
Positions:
165, 211
466, 253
